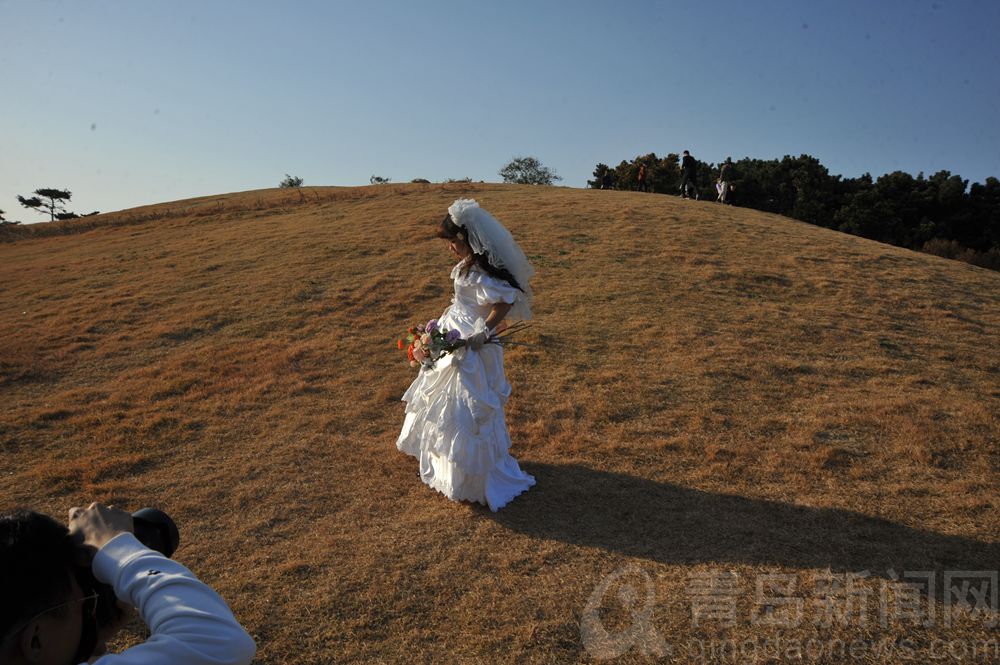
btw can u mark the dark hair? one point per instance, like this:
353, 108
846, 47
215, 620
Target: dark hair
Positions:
450, 231
37, 558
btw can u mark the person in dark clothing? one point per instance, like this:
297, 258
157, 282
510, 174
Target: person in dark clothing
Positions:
642, 178
689, 174
724, 183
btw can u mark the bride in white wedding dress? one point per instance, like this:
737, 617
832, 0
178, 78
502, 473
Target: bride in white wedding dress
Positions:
454, 410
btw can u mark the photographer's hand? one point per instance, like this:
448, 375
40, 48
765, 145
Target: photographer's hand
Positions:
95, 525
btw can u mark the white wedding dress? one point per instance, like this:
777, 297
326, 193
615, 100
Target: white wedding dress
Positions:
454, 411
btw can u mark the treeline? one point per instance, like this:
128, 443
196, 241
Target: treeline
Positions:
939, 214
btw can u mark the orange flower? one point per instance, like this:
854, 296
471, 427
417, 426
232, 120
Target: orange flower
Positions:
399, 344
409, 353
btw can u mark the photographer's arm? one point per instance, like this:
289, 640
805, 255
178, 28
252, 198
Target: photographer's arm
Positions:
189, 623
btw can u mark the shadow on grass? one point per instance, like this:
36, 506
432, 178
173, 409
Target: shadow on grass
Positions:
671, 524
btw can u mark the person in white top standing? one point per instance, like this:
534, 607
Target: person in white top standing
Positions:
49, 611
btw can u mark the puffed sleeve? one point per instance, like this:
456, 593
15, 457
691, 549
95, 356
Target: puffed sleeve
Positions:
490, 290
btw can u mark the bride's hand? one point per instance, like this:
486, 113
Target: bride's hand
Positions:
476, 341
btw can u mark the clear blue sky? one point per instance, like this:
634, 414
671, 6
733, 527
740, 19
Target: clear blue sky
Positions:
134, 102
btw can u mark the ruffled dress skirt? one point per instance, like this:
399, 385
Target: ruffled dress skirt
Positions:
455, 427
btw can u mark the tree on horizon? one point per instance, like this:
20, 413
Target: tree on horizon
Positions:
290, 182
528, 171
48, 200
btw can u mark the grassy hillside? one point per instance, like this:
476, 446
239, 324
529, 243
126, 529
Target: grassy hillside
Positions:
711, 389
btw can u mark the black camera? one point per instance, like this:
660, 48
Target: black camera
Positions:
154, 529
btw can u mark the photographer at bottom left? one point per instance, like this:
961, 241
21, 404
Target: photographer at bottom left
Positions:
57, 603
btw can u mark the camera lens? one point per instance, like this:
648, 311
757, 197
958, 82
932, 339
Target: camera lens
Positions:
154, 529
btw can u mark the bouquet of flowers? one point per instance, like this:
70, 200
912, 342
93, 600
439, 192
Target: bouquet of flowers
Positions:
426, 343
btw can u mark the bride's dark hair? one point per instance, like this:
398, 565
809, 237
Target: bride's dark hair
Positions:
450, 231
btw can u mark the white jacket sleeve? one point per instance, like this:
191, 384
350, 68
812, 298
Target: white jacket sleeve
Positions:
189, 623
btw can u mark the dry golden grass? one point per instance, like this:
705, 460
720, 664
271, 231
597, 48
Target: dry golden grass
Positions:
711, 389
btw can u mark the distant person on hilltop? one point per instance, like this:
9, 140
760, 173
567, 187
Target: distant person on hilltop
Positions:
724, 183
689, 174
454, 420
642, 178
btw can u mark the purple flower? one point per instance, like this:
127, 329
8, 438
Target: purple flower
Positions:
432, 325
453, 336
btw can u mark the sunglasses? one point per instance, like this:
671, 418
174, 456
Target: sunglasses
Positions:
88, 608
